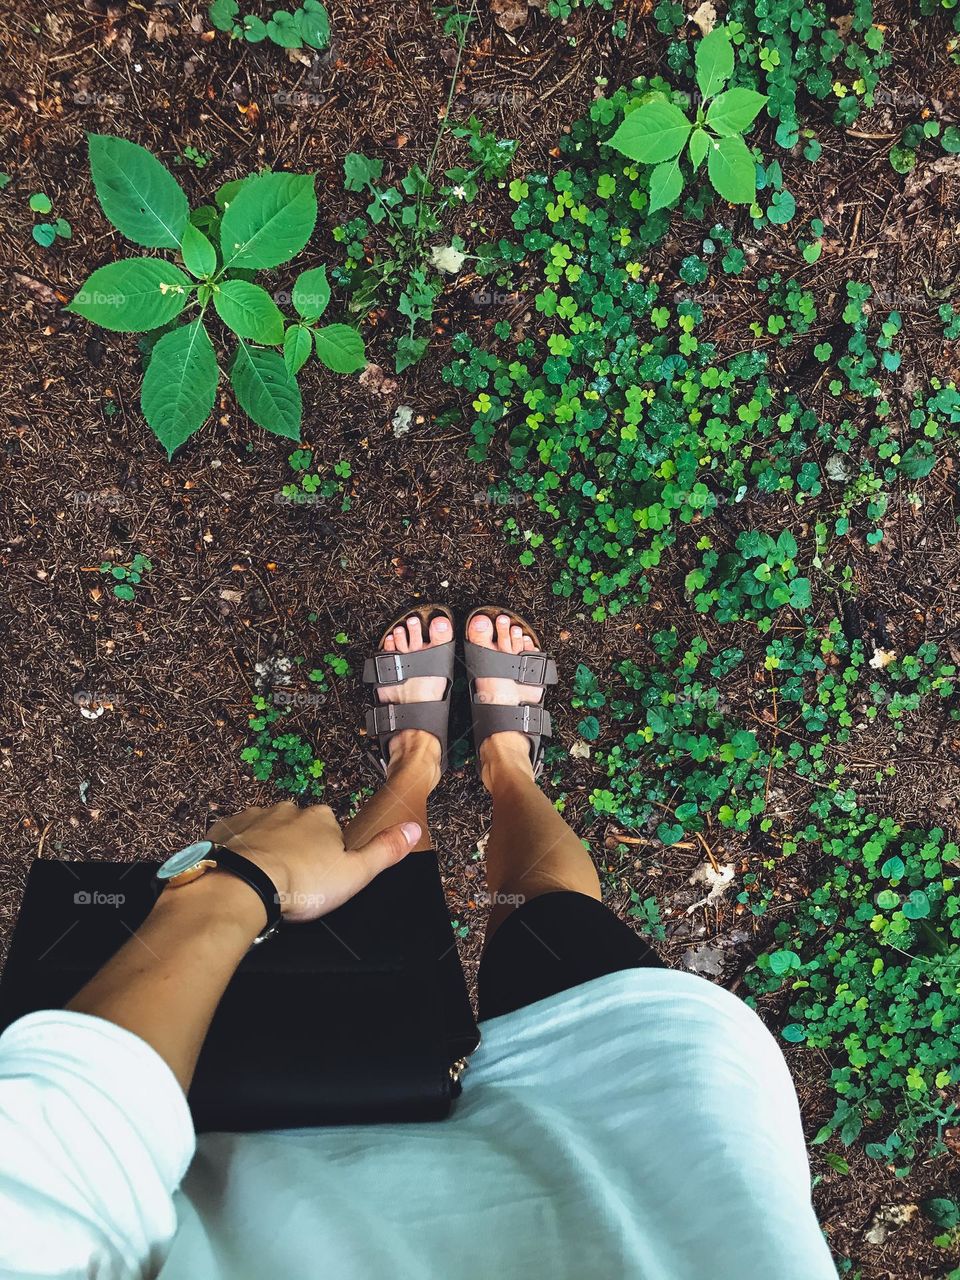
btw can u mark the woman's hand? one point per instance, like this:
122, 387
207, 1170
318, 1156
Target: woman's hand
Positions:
302, 852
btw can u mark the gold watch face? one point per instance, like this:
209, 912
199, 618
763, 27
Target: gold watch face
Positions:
191, 873
187, 864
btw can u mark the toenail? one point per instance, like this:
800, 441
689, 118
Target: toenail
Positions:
483, 622
443, 624
517, 631
503, 619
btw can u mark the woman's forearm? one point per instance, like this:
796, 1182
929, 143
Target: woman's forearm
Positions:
164, 984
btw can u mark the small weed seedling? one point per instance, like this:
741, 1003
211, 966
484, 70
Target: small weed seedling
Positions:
411, 213
310, 488
256, 223
126, 577
45, 233
307, 25
199, 159
657, 131
411, 272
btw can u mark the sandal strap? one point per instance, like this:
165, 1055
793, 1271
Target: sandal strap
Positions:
393, 668
388, 718
529, 718
532, 668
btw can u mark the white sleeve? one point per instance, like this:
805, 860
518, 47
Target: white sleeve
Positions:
95, 1135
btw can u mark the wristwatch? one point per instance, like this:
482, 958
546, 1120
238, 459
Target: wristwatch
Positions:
197, 859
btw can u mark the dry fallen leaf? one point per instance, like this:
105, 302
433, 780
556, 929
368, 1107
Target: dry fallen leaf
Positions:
715, 880
705, 18
882, 658
509, 15
889, 1218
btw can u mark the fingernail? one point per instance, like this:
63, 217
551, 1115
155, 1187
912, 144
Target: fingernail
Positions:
411, 831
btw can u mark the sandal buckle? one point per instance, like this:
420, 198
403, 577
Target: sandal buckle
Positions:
532, 668
391, 717
532, 718
386, 675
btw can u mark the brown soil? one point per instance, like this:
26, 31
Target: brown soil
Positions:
237, 574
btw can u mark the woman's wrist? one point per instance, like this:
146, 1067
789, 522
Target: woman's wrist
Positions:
217, 899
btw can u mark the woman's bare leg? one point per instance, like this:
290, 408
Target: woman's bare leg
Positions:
413, 768
531, 850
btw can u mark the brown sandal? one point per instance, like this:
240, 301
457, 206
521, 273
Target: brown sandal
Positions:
534, 668
384, 719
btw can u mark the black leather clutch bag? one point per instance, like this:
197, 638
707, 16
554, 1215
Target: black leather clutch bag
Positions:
360, 1017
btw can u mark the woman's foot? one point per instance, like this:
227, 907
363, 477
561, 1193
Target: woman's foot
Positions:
415, 747
507, 751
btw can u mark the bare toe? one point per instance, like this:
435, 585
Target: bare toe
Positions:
480, 631
503, 634
401, 639
440, 630
414, 633
388, 643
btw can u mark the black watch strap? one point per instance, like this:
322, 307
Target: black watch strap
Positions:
258, 880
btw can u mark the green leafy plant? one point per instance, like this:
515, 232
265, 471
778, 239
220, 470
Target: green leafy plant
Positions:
657, 132
308, 24
285, 759
256, 224
45, 233
190, 155
125, 578
871, 964
792, 48
311, 487
411, 270
754, 581
392, 252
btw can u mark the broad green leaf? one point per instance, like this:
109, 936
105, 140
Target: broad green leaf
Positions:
311, 293
138, 195
917, 906
358, 170
656, 131
206, 218
714, 62
282, 30
254, 29
228, 192
133, 295
732, 170
666, 184
223, 14
249, 311
734, 112
180, 385
267, 390
199, 255
784, 962
313, 22
340, 348
269, 220
699, 142
297, 345
409, 351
